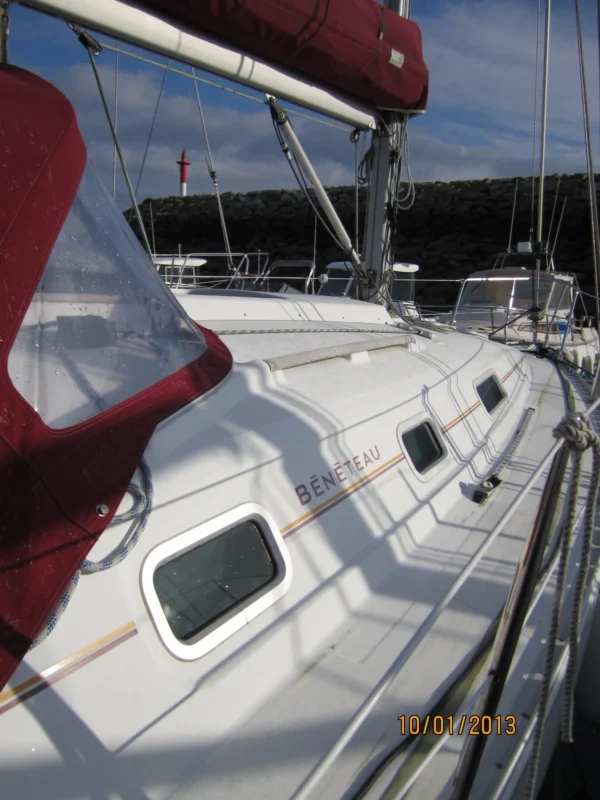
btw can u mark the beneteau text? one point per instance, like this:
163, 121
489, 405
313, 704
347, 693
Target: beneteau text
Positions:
342, 471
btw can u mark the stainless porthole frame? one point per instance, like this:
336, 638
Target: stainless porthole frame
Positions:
241, 615
479, 380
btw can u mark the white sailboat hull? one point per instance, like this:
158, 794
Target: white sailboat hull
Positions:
104, 708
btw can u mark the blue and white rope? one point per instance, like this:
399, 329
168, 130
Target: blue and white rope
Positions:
139, 513
58, 611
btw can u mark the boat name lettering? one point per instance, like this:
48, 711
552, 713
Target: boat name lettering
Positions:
340, 472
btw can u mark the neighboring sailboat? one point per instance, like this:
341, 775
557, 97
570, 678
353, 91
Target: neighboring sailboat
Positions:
523, 300
497, 303
337, 517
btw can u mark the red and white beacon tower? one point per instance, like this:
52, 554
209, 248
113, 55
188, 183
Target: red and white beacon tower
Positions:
183, 165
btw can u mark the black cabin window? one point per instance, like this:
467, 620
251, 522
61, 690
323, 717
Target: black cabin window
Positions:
207, 582
490, 393
423, 446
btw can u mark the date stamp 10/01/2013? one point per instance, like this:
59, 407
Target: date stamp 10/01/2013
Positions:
473, 725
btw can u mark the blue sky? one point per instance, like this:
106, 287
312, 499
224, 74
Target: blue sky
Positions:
479, 122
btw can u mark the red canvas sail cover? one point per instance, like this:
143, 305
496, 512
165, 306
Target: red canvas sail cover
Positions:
357, 47
54, 479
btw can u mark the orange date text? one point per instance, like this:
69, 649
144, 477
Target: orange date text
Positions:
468, 725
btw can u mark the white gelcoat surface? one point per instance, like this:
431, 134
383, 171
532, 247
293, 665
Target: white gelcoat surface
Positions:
252, 717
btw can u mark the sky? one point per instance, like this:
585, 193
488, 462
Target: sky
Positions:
479, 123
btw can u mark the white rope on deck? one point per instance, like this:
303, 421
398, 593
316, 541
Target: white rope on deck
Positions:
579, 435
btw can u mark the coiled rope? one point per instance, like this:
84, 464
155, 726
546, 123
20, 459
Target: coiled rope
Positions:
139, 514
579, 435
581, 438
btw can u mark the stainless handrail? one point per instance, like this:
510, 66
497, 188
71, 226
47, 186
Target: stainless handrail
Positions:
267, 273
171, 278
568, 326
243, 262
509, 321
458, 299
549, 327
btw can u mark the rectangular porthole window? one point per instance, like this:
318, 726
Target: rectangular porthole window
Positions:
203, 585
200, 586
423, 447
490, 393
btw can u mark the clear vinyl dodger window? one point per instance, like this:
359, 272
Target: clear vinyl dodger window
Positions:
209, 582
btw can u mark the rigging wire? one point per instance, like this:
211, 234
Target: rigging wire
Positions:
398, 201
360, 274
355, 139
407, 201
139, 179
209, 160
512, 219
560, 219
162, 86
364, 179
337, 125
365, 163
590, 166
300, 179
93, 49
365, 167
213, 176
362, 175
116, 114
552, 218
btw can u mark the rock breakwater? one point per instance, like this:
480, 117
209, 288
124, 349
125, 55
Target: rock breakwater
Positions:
451, 230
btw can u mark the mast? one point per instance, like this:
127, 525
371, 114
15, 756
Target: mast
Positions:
590, 166
378, 233
4, 31
535, 313
596, 385
544, 128
116, 117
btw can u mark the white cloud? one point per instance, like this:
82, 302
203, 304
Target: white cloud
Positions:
481, 56
244, 147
